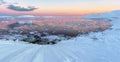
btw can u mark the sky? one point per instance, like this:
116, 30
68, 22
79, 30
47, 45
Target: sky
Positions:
58, 7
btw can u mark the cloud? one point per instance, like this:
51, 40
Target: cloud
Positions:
16, 7
19, 8
2, 2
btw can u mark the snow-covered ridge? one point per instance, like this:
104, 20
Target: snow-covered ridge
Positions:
111, 14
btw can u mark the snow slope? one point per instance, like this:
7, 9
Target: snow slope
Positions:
94, 47
112, 14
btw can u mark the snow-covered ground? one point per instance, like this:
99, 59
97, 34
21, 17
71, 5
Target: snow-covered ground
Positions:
93, 47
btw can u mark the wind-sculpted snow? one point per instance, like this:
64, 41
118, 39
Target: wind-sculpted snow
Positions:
94, 47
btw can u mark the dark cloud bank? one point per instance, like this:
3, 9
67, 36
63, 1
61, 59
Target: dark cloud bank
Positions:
19, 8
11, 6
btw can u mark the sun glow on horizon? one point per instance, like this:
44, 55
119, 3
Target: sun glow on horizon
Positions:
55, 7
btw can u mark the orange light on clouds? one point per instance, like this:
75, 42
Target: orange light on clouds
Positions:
63, 10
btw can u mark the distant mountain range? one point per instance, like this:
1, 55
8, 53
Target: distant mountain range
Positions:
4, 14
